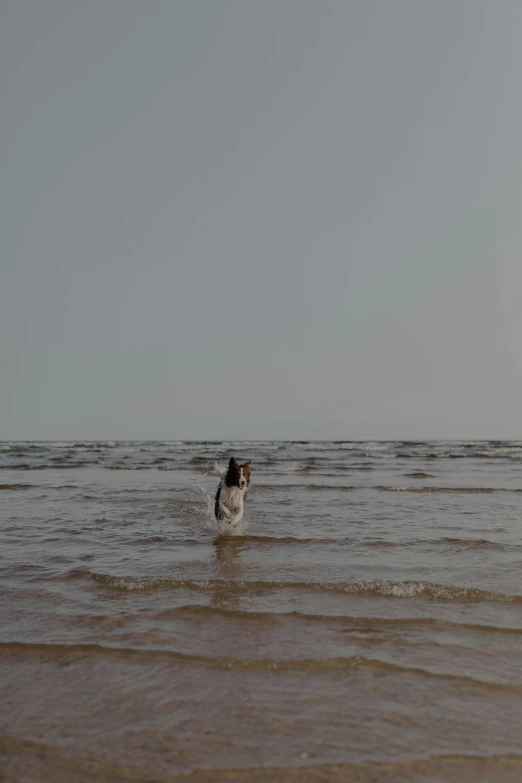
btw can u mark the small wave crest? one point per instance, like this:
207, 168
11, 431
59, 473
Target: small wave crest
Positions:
379, 588
85, 650
469, 490
349, 622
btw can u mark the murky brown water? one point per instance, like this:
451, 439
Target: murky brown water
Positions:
365, 624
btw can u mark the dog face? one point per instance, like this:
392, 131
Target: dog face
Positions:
238, 475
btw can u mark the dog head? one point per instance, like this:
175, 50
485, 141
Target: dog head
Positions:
238, 475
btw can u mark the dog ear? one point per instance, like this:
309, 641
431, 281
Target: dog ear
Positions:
246, 464
233, 463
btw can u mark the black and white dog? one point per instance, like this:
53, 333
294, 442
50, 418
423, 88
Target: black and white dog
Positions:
230, 495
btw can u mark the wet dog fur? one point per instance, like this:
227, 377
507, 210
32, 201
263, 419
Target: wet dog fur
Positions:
231, 493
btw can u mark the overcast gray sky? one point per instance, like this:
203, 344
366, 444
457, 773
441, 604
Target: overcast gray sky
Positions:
260, 218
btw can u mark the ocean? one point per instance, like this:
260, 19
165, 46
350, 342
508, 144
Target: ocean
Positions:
363, 623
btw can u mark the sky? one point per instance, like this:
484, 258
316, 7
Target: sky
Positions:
260, 219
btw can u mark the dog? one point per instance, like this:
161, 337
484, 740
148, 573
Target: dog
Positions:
230, 495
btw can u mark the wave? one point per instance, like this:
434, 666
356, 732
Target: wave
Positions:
39, 466
378, 588
311, 487
465, 766
475, 543
242, 540
469, 490
255, 539
16, 486
455, 543
59, 650
177, 467
206, 611
298, 458
127, 467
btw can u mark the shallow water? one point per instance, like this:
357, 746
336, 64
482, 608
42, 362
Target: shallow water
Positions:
363, 623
